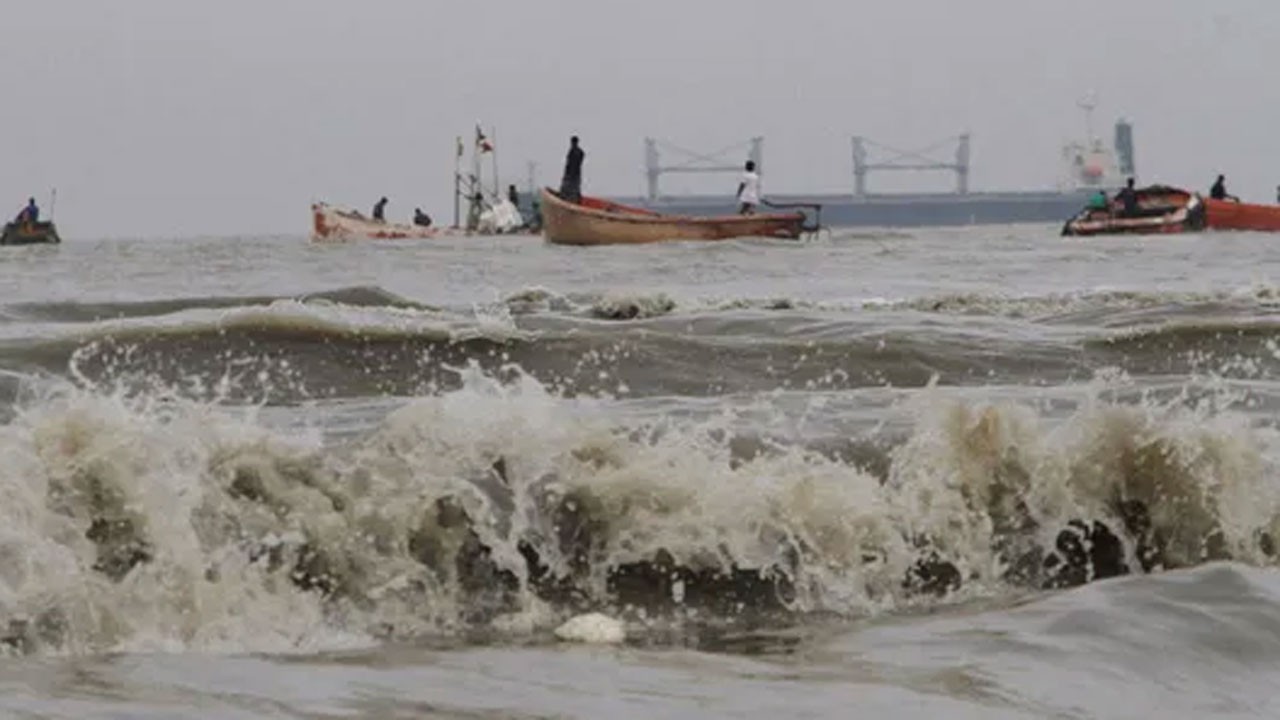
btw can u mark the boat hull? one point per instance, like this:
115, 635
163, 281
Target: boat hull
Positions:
39, 233
601, 222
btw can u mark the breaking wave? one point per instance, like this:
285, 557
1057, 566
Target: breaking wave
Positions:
87, 312
1105, 308
1086, 306
500, 507
364, 341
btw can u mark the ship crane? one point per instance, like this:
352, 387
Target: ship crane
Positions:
921, 160
717, 161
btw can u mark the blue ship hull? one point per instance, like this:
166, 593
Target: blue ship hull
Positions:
914, 210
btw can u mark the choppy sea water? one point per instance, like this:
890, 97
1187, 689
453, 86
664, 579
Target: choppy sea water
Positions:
983, 472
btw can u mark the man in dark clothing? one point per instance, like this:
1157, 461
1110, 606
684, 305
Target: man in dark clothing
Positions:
571, 183
1219, 190
30, 213
1128, 198
379, 210
476, 209
513, 197
420, 218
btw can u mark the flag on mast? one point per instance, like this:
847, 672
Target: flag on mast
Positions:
482, 143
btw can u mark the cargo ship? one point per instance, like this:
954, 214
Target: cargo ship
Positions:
1088, 166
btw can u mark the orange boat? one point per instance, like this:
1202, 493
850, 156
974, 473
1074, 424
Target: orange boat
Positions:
1236, 215
594, 221
1164, 209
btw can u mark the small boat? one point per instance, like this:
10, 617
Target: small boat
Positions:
331, 223
30, 233
1160, 210
594, 221
1164, 209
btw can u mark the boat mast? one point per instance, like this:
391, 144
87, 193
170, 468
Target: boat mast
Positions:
457, 183
497, 191
477, 181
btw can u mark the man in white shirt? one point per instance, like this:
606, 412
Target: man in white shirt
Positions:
749, 190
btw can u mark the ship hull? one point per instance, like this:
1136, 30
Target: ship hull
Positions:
898, 211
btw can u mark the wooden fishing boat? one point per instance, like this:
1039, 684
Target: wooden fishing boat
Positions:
30, 233
594, 221
331, 223
1171, 210
1161, 210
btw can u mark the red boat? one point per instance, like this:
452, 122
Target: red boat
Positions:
1235, 215
1163, 209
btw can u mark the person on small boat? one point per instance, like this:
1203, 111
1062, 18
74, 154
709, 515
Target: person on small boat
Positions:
749, 190
473, 213
420, 218
535, 215
29, 214
513, 197
1098, 200
571, 182
1128, 198
380, 210
1219, 190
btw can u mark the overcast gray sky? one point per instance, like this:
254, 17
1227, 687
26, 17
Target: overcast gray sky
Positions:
176, 117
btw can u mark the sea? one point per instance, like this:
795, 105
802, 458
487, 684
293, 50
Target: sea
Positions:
983, 472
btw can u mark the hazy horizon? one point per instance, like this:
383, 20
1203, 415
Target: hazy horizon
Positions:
159, 118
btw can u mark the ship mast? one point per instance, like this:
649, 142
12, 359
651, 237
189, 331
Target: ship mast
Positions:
1087, 104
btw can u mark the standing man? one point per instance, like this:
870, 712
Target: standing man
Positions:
1128, 198
473, 214
379, 210
571, 183
749, 190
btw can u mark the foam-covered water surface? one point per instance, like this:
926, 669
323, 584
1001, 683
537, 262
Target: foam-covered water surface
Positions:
964, 472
